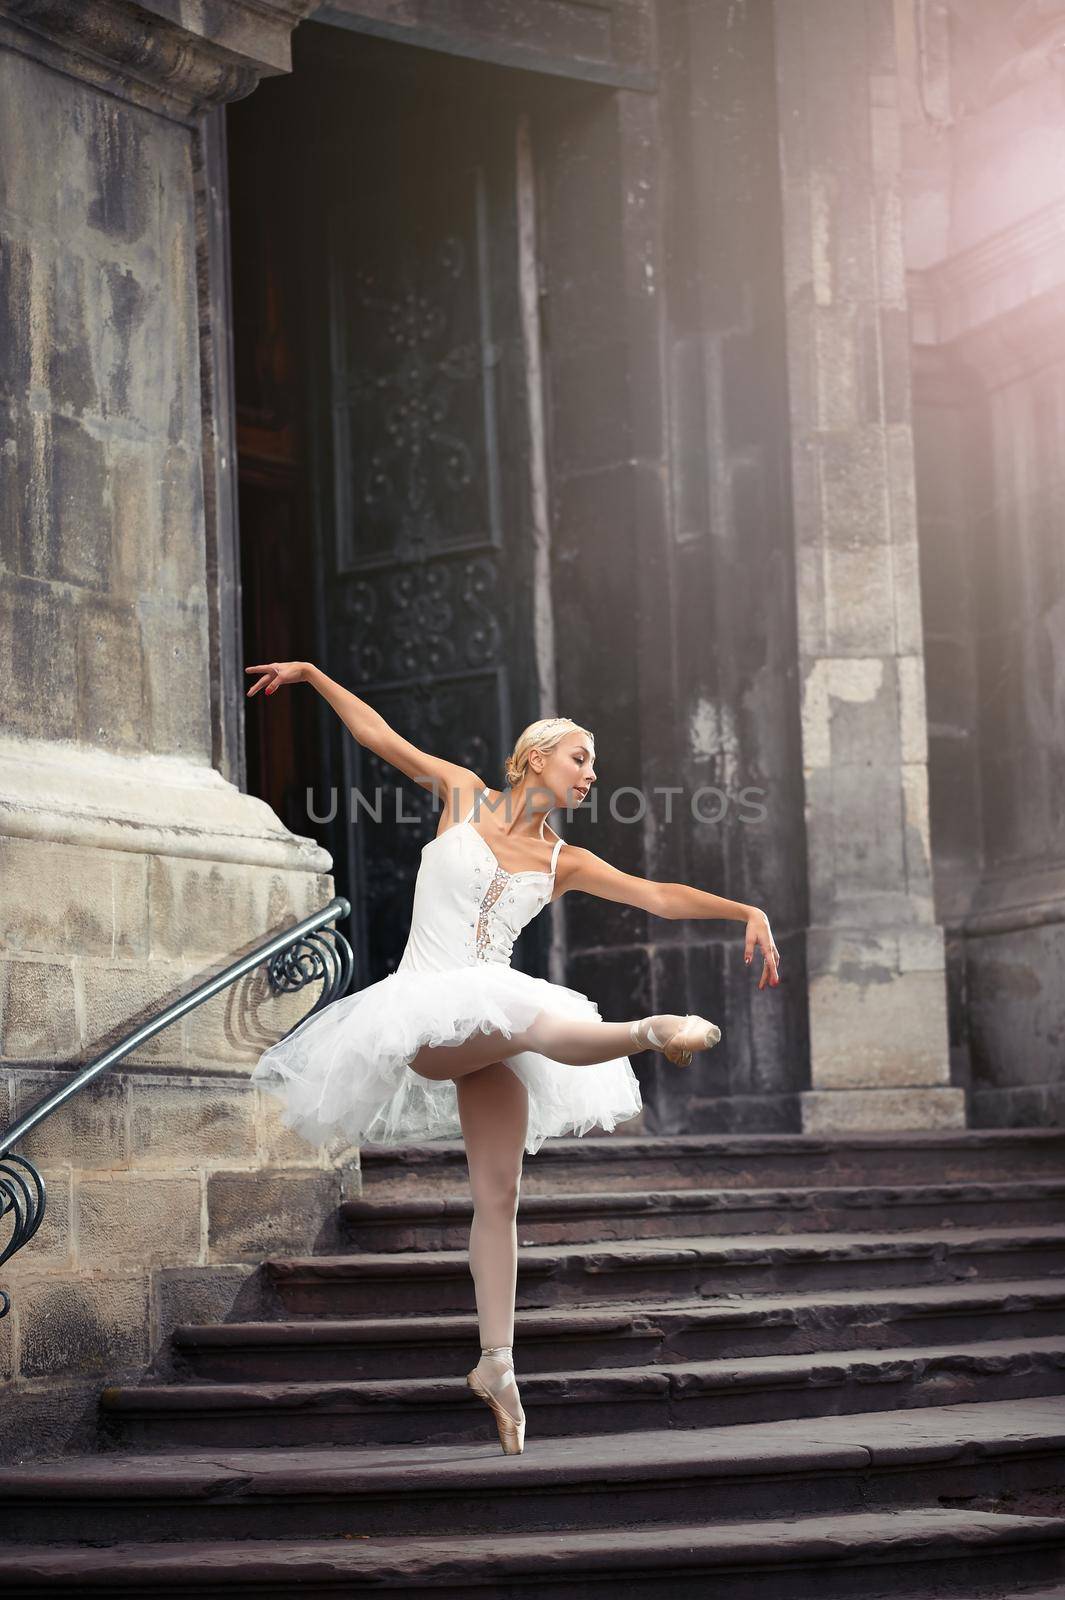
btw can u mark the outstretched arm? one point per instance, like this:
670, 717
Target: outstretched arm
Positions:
584, 870
443, 778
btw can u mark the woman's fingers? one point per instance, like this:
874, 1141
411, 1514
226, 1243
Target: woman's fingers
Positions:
770, 963
271, 677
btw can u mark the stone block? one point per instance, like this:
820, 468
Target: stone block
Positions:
917, 842
58, 1417
138, 1221
838, 364
37, 1010
32, 138
76, 545
179, 569
119, 999
855, 510
132, 325
863, 728
82, 1324
901, 482
890, 240
60, 899
178, 1122
110, 674
52, 1246
921, 949
881, 1110
262, 1213
906, 600
913, 728
859, 590
895, 358
155, 493
204, 1295
234, 1027
843, 951
89, 1131
70, 306
176, 689
810, 599
38, 655
17, 284
874, 1027
216, 908
281, 1146
855, 832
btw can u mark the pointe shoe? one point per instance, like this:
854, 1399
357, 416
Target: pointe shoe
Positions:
694, 1033
511, 1430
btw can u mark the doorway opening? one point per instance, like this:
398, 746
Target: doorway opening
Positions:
390, 453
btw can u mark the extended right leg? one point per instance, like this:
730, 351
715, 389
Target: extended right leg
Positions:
572, 1041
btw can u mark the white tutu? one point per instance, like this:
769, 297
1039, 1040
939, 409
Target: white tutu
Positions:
346, 1068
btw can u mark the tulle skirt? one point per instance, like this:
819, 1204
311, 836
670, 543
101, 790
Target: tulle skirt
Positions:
346, 1070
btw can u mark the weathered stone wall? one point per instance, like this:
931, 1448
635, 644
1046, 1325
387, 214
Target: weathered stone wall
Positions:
985, 230
875, 949
673, 608
129, 868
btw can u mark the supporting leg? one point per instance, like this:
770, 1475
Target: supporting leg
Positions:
494, 1112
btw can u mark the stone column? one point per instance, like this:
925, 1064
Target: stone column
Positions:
877, 996
129, 866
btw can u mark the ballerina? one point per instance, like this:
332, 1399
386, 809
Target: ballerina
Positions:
456, 1041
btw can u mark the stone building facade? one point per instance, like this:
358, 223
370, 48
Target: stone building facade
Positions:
752, 467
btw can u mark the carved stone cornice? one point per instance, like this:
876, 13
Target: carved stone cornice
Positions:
999, 304
158, 54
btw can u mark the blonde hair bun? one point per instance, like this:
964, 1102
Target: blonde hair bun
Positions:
544, 734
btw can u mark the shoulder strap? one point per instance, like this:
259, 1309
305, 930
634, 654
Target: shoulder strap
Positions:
470, 812
554, 854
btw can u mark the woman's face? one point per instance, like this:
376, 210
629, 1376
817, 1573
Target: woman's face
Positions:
568, 769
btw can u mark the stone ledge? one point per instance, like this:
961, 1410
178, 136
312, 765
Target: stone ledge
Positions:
887, 1110
67, 793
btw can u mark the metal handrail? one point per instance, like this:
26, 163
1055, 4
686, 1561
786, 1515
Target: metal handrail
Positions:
296, 957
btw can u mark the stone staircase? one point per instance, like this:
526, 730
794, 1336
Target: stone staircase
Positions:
773, 1367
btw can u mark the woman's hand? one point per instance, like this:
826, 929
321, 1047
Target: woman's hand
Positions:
275, 673
760, 934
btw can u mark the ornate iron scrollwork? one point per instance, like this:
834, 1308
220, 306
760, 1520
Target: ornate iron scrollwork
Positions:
22, 1197
325, 954
295, 957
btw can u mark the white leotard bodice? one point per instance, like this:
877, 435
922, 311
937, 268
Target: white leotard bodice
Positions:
467, 907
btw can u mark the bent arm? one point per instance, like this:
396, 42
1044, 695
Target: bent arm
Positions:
369, 727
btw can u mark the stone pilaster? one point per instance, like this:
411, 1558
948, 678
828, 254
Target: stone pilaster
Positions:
129, 867
878, 1021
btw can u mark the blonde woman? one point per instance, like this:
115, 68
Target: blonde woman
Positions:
456, 1040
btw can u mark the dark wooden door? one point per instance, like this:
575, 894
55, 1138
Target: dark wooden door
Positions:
419, 440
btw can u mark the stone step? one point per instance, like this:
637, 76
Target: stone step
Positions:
907, 1554
841, 1464
682, 1394
731, 1161
439, 1281
568, 1337
442, 1222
